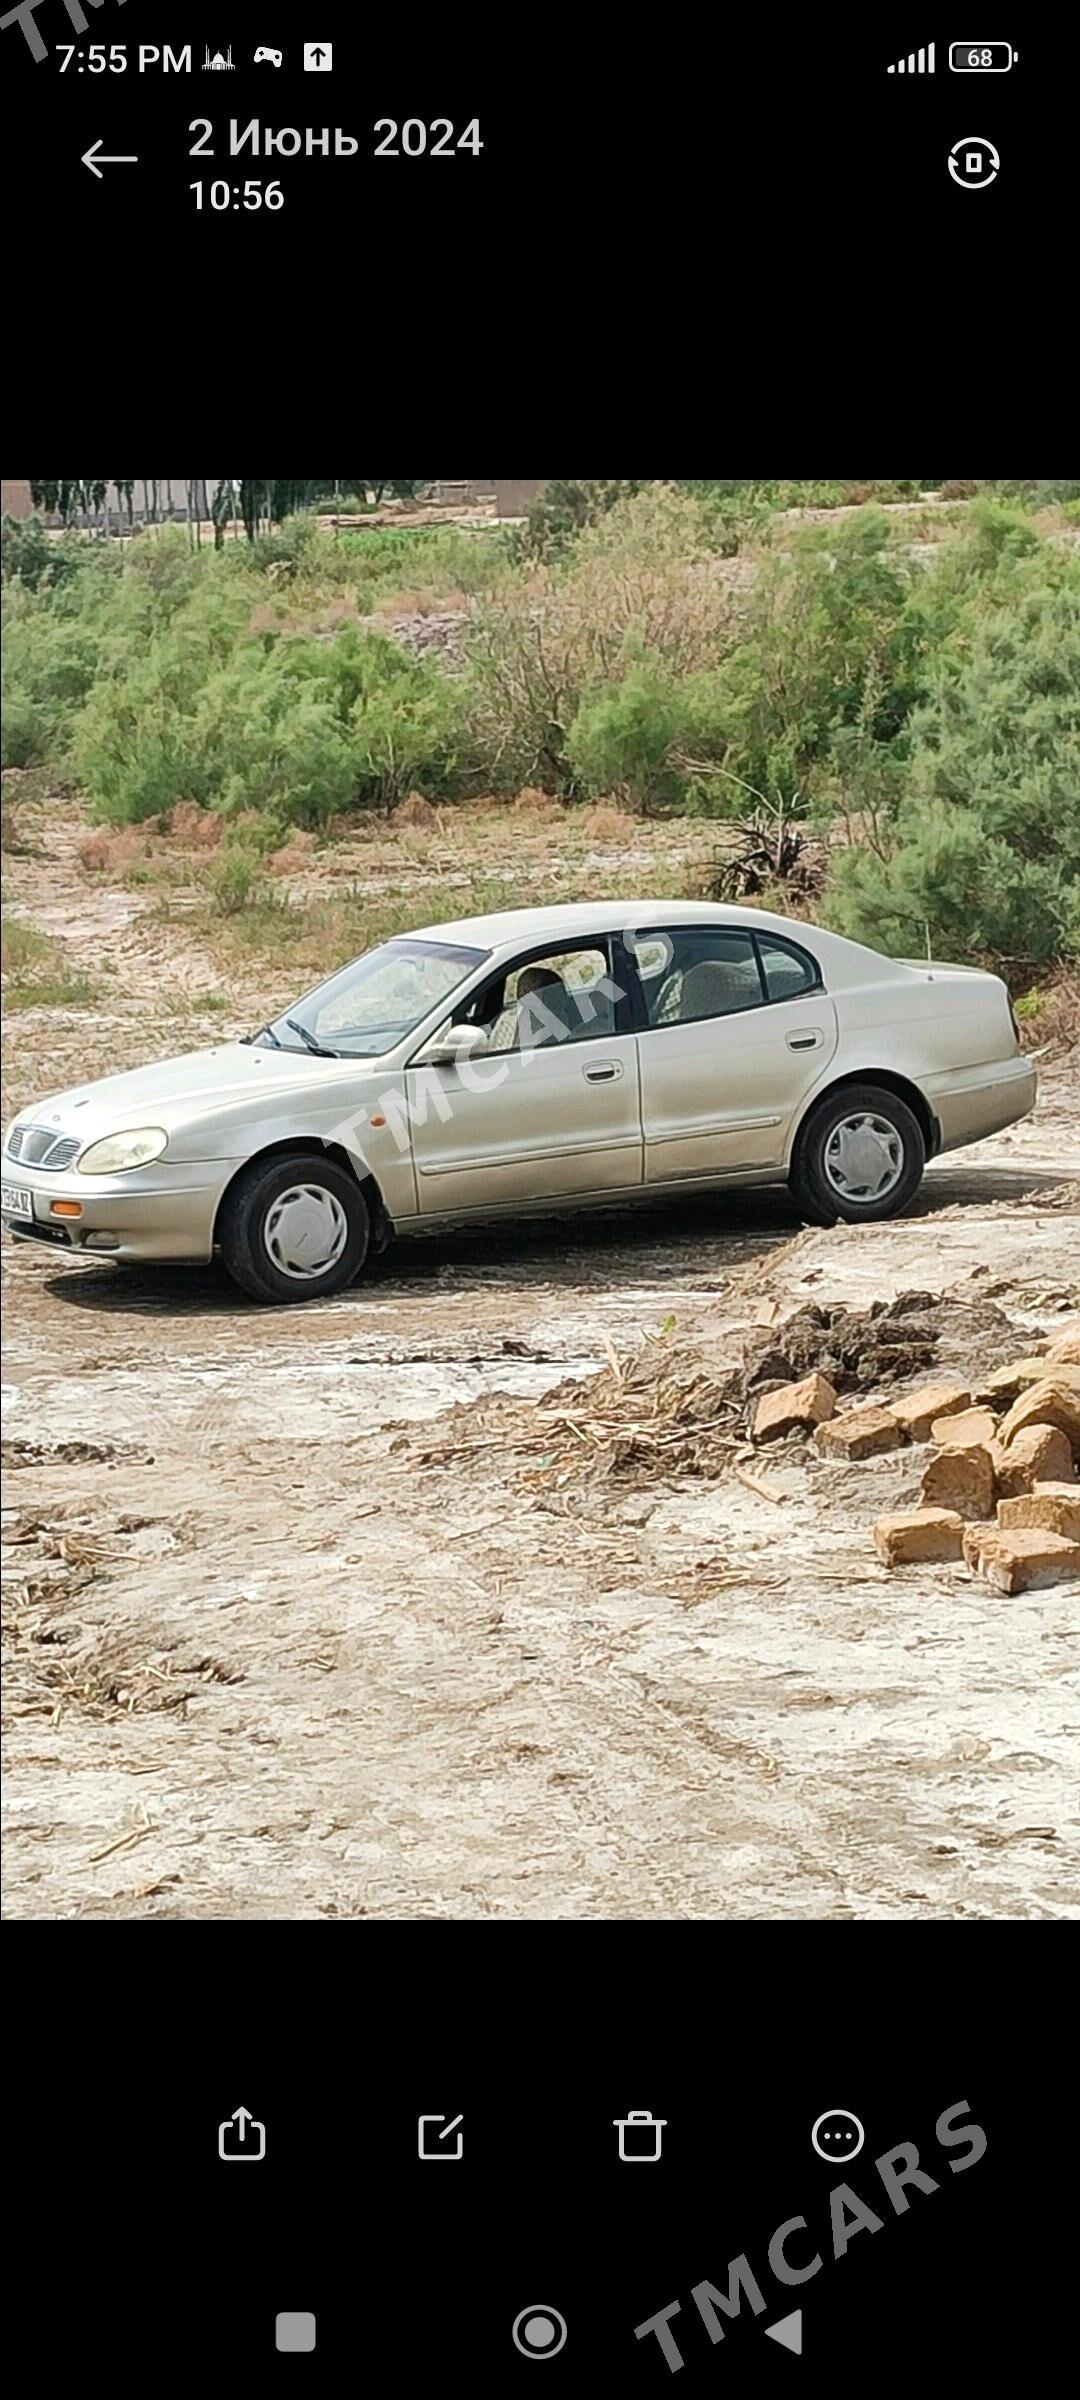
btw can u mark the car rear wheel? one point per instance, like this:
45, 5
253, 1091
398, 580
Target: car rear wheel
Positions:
294, 1228
859, 1156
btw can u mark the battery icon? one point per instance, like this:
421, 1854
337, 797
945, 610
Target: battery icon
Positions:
982, 58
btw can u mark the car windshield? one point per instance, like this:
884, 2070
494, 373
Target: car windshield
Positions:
375, 1001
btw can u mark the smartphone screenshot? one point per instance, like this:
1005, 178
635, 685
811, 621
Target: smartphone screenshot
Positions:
540, 1197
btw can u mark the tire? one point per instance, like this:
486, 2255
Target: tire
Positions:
858, 1180
294, 1228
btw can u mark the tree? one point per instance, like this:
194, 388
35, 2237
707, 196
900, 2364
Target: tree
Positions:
222, 511
984, 850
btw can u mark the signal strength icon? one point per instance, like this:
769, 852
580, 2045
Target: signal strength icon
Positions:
917, 62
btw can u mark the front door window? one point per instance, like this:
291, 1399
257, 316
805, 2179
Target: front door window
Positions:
566, 996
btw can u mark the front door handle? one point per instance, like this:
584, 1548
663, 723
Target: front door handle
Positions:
607, 1073
805, 1041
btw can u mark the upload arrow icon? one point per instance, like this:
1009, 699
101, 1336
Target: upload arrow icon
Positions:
241, 2136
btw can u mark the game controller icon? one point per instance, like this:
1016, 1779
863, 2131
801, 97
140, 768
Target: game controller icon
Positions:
272, 57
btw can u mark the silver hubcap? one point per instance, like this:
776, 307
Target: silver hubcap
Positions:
864, 1158
305, 1231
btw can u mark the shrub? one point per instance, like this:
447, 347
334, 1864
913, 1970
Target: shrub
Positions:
26, 550
655, 738
826, 627
984, 847
236, 879
562, 510
26, 738
50, 659
36, 972
642, 582
293, 727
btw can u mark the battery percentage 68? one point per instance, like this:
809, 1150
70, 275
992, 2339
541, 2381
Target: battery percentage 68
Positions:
981, 58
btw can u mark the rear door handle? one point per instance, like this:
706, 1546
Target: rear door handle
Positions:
607, 1073
805, 1041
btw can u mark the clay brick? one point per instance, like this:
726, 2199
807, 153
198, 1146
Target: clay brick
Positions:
860, 1433
1054, 1401
916, 1413
966, 1431
1024, 1559
960, 1479
807, 1403
1054, 1507
1064, 1350
919, 1534
1007, 1383
1039, 1454
1000, 1388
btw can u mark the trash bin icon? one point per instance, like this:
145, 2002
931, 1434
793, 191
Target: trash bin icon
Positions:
640, 2136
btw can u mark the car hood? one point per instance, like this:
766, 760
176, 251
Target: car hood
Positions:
174, 1090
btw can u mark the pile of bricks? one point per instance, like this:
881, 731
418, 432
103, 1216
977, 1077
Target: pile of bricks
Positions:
999, 1488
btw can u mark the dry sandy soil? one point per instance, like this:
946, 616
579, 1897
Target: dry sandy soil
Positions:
263, 1660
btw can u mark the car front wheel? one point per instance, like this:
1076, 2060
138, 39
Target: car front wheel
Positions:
859, 1156
294, 1228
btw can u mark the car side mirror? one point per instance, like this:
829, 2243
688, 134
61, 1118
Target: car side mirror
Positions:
451, 1045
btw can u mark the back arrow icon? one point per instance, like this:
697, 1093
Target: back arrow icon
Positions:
90, 159
788, 2333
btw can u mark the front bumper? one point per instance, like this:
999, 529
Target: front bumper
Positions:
156, 1212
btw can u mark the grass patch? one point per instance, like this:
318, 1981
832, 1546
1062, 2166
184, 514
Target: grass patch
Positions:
1049, 1015
312, 938
35, 970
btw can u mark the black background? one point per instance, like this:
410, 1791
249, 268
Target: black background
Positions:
735, 223
689, 248
142, 2039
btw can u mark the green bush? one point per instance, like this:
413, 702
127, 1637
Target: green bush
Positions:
288, 725
237, 879
50, 660
26, 550
655, 738
919, 704
827, 623
562, 510
641, 583
25, 739
984, 846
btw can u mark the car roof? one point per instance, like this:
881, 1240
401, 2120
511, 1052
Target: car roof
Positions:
513, 928
584, 916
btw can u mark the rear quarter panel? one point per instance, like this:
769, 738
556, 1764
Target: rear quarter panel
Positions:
924, 1025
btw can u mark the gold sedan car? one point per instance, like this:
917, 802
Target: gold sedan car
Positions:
543, 1058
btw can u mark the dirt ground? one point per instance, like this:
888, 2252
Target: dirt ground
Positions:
262, 1660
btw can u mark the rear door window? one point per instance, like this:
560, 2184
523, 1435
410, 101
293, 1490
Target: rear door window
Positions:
788, 971
697, 972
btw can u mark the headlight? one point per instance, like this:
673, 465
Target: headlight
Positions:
119, 1151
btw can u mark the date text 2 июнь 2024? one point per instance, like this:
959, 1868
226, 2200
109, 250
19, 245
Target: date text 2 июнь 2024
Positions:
412, 138
408, 137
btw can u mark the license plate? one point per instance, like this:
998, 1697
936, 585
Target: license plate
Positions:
14, 1202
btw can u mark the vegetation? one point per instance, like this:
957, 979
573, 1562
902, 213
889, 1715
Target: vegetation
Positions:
880, 708
35, 971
